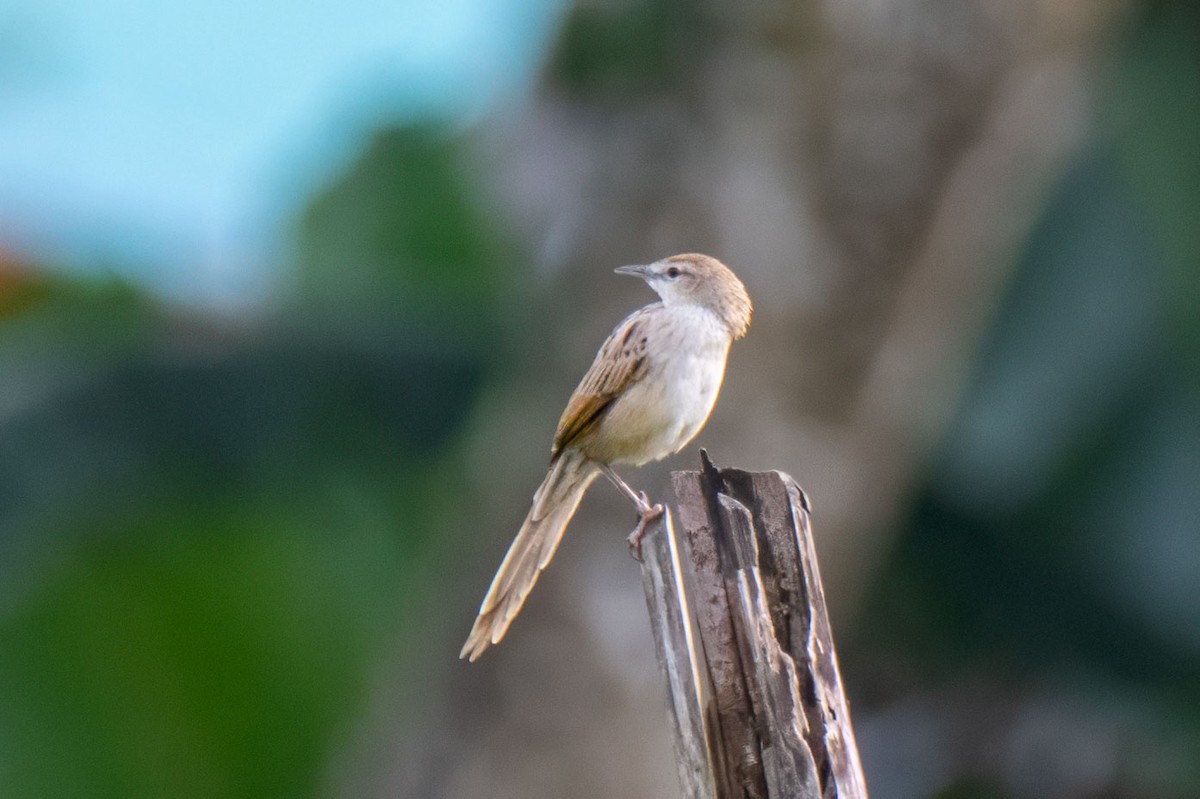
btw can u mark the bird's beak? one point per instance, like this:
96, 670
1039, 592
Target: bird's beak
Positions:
636, 270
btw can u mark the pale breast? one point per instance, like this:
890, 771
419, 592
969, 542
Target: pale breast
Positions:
686, 349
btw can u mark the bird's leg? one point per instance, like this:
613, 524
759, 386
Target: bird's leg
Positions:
641, 501
647, 513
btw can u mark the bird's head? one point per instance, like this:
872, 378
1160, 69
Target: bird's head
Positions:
695, 279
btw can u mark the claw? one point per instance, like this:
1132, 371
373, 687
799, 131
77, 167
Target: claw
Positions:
649, 514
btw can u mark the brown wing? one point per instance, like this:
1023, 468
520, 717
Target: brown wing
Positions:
620, 363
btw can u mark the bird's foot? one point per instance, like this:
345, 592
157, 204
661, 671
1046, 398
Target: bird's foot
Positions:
648, 515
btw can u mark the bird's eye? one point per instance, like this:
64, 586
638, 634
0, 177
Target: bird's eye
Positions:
673, 272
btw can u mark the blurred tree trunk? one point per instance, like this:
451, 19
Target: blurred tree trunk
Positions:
867, 168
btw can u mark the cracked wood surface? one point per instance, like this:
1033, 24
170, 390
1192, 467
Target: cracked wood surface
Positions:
744, 641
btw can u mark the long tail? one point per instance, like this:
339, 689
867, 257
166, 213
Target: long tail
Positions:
553, 506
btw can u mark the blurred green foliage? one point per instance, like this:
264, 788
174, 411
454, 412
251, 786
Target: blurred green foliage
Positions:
971, 789
406, 231
624, 50
213, 536
1055, 540
1153, 119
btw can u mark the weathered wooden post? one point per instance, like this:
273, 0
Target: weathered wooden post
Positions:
743, 638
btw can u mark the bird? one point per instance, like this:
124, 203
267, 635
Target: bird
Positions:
648, 392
